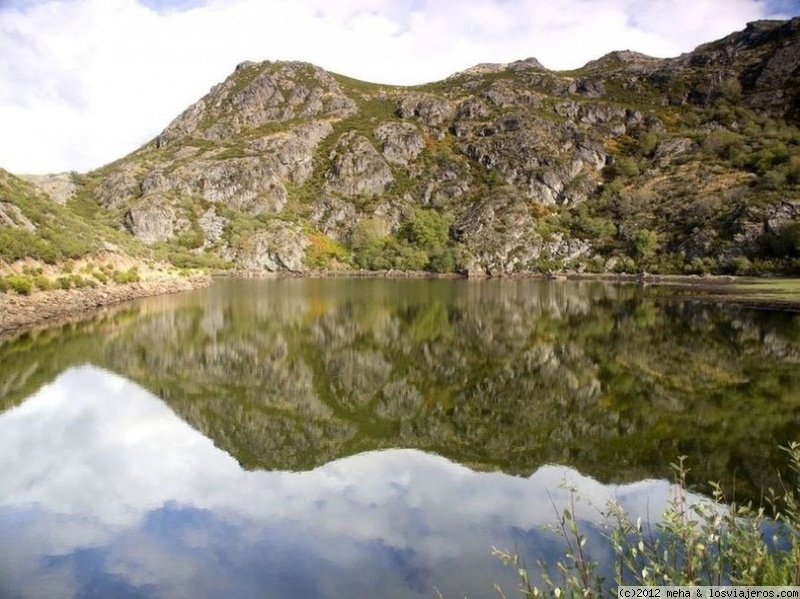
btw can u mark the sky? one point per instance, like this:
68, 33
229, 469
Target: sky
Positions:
102, 483
84, 82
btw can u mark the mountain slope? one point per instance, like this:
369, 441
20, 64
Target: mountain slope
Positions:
689, 164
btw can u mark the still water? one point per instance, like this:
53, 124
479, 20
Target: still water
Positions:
360, 438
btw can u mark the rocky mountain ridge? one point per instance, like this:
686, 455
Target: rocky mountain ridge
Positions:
687, 164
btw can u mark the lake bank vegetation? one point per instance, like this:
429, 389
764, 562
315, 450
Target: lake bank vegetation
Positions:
709, 542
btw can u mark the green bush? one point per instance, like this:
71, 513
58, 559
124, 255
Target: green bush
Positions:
621, 168
428, 230
129, 276
187, 260
80, 282
643, 244
42, 282
323, 251
443, 261
725, 144
20, 284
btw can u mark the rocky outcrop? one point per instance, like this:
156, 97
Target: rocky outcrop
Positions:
11, 216
212, 225
248, 185
447, 183
291, 155
500, 235
357, 168
334, 217
257, 94
429, 109
151, 221
279, 247
401, 143
119, 186
670, 149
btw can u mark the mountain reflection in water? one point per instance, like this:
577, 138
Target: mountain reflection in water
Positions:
106, 492
612, 380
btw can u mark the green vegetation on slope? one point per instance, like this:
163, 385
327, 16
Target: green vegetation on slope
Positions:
629, 164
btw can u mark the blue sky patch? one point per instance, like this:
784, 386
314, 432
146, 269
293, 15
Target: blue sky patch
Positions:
167, 6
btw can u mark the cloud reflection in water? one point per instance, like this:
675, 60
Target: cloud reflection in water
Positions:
106, 492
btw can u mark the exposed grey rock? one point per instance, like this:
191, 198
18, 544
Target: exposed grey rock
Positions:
260, 93
501, 237
291, 155
247, 184
593, 154
392, 214
494, 138
333, 216
212, 225
431, 110
357, 168
472, 108
401, 143
499, 234
121, 186
671, 148
151, 221
526, 64
448, 182
559, 247
781, 214
12, 217
280, 246
502, 94
591, 88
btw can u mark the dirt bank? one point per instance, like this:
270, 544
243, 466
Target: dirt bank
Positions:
18, 311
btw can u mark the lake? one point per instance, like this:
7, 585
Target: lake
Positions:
369, 437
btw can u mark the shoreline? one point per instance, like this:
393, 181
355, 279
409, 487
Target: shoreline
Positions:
20, 312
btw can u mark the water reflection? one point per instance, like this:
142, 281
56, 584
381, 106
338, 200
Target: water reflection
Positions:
106, 492
510, 375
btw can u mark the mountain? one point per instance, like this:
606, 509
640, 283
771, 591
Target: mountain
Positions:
687, 164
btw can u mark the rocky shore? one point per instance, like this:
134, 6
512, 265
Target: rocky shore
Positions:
18, 311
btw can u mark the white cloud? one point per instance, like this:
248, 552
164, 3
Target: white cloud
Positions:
92, 461
86, 81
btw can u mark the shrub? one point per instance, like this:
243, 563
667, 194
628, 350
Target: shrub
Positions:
323, 251
723, 143
703, 543
129, 276
20, 284
643, 244
428, 230
42, 282
443, 261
